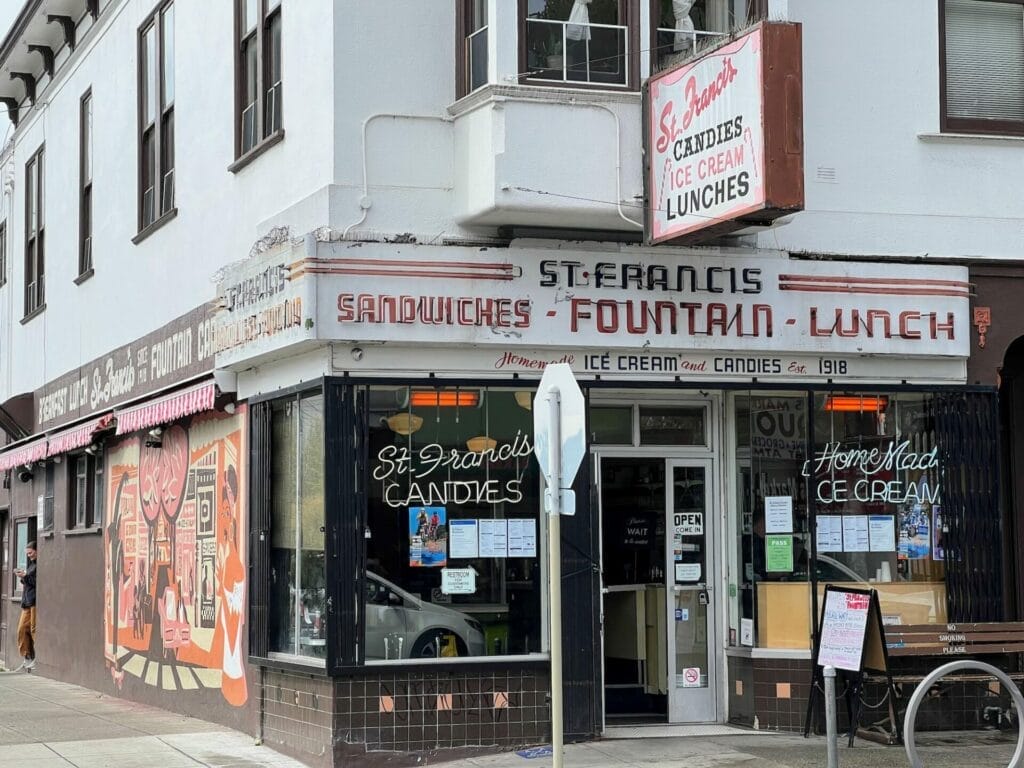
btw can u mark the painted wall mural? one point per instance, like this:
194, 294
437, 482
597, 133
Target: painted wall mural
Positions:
175, 576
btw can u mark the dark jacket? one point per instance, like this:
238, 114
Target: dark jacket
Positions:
28, 593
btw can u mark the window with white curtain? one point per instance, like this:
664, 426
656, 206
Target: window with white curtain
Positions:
983, 66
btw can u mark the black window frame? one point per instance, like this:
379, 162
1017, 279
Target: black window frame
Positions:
31, 533
35, 233
467, 24
85, 176
979, 126
346, 444
156, 154
49, 492
92, 508
258, 40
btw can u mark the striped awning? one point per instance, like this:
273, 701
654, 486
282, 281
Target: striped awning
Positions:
168, 408
77, 437
20, 455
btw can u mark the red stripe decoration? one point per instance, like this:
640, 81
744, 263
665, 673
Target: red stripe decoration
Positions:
444, 270
166, 409
874, 286
29, 453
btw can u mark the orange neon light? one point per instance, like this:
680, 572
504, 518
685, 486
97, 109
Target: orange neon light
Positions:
445, 399
847, 404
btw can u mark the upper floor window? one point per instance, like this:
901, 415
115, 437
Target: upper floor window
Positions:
85, 490
156, 116
472, 59
591, 42
35, 233
680, 27
85, 187
982, 66
258, 72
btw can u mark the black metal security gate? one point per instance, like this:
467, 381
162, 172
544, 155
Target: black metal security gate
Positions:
967, 435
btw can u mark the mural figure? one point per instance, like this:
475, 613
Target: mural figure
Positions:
175, 582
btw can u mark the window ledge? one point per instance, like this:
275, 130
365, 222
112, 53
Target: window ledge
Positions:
34, 313
271, 141
978, 138
47, 534
84, 276
82, 531
155, 226
768, 653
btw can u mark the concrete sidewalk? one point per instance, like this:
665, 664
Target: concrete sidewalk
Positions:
762, 750
47, 724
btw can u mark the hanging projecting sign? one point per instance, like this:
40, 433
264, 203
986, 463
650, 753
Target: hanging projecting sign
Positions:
725, 138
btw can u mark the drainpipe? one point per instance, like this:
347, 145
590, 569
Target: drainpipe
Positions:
365, 202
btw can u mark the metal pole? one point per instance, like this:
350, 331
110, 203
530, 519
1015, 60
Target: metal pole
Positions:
831, 731
555, 576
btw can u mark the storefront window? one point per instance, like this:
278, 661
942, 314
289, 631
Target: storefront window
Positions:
611, 425
771, 607
297, 625
870, 495
877, 482
453, 536
672, 426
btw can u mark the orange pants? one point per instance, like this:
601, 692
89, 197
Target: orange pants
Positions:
27, 633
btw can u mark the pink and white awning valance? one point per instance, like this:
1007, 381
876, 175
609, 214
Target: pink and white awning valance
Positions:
77, 437
168, 408
21, 455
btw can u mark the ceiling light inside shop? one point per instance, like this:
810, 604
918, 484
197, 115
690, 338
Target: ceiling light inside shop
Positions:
525, 399
481, 444
856, 404
404, 423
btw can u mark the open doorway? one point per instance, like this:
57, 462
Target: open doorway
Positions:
633, 556
658, 563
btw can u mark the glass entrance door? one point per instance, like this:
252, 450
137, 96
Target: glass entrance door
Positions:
690, 583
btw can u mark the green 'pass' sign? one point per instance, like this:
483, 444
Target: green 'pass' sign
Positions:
778, 553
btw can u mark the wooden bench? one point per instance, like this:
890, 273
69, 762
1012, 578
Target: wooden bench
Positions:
947, 642
943, 643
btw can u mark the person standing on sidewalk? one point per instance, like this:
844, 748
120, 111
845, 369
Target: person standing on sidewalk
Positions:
27, 622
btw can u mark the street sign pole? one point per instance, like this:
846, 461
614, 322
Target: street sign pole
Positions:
554, 496
560, 444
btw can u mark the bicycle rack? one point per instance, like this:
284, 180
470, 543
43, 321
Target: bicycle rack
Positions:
932, 678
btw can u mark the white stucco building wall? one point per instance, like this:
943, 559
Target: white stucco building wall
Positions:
378, 146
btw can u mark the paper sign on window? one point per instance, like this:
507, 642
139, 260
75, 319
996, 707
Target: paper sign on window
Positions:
689, 523
458, 581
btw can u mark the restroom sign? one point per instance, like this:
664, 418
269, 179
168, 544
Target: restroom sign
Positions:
689, 523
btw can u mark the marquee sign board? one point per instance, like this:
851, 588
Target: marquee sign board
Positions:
724, 137
616, 311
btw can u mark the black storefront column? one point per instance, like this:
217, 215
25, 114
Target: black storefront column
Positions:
581, 613
345, 471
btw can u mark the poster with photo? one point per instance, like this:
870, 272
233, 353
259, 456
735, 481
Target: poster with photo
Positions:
915, 533
939, 544
428, 537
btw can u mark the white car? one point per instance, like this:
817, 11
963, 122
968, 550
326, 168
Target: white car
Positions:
400, 625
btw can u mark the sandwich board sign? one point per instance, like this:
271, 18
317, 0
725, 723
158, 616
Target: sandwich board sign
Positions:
850, 639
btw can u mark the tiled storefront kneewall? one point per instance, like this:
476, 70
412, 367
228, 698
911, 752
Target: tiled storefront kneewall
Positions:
415, 711
419, 714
